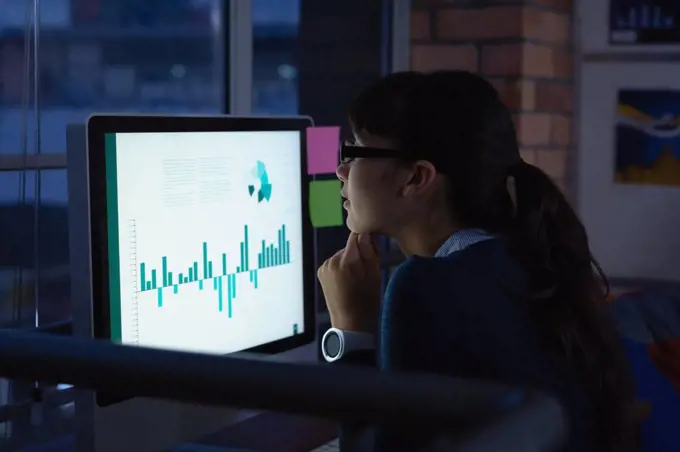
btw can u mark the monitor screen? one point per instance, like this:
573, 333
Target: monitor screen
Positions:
205, 238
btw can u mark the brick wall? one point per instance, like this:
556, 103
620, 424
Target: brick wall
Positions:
525, 48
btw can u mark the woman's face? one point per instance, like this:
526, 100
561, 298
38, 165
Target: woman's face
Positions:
372, 188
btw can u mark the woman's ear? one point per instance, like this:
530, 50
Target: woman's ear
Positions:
421, 178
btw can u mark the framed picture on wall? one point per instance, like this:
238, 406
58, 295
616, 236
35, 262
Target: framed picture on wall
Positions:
629, 25
644, 22
647, 137
628, 167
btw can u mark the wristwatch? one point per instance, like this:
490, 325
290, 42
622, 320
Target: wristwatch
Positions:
335, 343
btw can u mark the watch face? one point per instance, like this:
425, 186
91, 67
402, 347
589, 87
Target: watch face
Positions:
332, 345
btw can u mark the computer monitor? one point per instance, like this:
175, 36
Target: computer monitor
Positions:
200, 232
199, 240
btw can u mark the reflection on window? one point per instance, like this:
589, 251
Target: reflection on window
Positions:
275, 73
18, 273
112, 55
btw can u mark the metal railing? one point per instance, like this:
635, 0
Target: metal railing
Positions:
35, 411
471, 414
50, 395
64, 328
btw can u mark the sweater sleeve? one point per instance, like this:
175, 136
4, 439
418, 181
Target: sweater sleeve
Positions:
397, 349
403, 347
358, 437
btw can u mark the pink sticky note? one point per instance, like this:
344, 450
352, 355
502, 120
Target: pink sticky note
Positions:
322, 149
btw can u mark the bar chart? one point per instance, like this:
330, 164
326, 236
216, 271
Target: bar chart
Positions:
204, 273
198, 263
644, 21
645, 16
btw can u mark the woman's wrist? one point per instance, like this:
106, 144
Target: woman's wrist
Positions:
357, 325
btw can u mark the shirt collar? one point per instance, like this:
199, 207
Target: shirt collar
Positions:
460, 240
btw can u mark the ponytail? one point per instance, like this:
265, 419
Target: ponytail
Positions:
568, 300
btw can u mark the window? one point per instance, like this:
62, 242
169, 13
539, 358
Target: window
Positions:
275, 66
109, 55
165, 56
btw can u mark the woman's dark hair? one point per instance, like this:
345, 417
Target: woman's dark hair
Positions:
457, 120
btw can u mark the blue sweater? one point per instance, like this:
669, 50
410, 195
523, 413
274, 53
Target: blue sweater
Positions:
463, 315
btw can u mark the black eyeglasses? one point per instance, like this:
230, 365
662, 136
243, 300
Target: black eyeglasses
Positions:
350, 151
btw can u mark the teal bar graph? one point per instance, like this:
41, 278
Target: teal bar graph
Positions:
224, 281
142, 276
253, 278
274, 254
205, 261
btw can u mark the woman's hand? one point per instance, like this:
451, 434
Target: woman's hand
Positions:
350, 280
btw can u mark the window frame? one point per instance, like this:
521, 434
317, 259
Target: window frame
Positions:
400, 39
20, 162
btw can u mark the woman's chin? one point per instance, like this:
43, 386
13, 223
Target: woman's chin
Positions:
357, 226
352, 224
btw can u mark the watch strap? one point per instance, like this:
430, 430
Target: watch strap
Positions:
336, 343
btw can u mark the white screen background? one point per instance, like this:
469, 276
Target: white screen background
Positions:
179, 190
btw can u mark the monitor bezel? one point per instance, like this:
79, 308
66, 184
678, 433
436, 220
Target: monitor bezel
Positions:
100, 125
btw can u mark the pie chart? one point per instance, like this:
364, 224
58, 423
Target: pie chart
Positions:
260, 185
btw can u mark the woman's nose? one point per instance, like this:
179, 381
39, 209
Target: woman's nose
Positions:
341, 171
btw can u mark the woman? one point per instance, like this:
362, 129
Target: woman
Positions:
499, 283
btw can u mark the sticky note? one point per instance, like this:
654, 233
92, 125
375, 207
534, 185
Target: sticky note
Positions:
325, 203
322, 149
